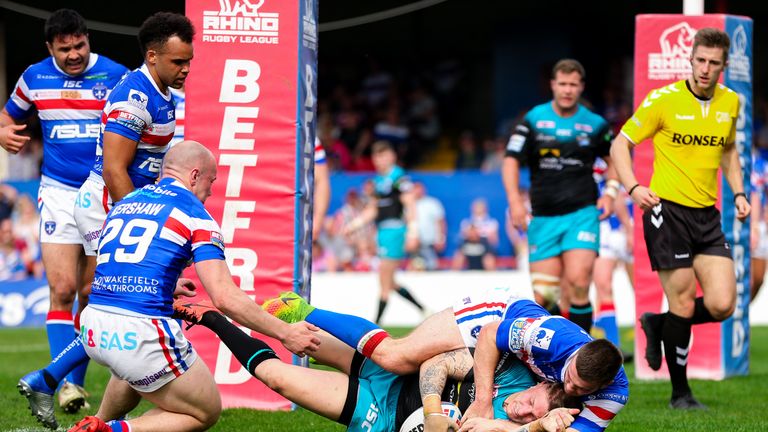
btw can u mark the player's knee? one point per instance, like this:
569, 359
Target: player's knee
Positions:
210, 415
546, 288
722, 311
63, 293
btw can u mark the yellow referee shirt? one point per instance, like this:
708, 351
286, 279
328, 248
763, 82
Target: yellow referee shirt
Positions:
689, 136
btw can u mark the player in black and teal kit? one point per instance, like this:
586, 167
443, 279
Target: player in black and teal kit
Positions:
394, 212
367, 398
559, 141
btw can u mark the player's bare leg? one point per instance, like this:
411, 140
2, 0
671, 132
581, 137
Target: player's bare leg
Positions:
118, 400
577, 271
437, 334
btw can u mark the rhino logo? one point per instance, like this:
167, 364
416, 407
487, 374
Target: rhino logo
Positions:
677, 40
239, 7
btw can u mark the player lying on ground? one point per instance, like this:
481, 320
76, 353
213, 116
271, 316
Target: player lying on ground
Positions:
365, 397
553, 348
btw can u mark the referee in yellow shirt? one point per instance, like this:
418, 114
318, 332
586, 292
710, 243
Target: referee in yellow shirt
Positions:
693, 125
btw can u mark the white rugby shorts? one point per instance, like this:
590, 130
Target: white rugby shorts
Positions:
484, 306
147, 353
613, 243
91, 207
57, 221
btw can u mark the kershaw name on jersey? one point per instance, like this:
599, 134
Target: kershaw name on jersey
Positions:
69, 108
547, 344
148, 238
137, 110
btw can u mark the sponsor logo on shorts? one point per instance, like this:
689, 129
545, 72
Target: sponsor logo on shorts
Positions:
50, 227
586, 236
475, 331
149, 379
685, 117
93, 235
682, 256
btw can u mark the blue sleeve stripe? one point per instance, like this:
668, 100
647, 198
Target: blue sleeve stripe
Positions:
502, 335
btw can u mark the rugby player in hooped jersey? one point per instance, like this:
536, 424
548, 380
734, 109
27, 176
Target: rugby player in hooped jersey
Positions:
68, 90
693, 125
148, 239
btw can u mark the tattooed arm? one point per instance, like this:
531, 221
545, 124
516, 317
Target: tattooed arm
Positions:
432, 377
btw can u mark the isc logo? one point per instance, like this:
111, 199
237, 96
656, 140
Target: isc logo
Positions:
370, 417
73, 84
69, 131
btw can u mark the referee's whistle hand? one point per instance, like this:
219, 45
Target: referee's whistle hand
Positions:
742, 208
645, 198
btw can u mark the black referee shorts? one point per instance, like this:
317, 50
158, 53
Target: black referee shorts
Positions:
674, 234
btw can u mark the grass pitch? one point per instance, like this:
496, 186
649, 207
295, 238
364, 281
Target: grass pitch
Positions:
735, 404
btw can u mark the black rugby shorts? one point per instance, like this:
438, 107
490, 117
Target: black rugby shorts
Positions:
674, 234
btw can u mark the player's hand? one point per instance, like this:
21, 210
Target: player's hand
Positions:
184, 287
644, 198
10, 140
519, 216
478, 409
742, 208
412, 244
440, 423
605, 205
301, 338
478, 424
558, 419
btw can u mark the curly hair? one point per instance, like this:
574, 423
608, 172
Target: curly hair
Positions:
158, 28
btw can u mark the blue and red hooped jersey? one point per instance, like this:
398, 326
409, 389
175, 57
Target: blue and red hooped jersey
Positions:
139, 111
149, 237
547, 344
69, 108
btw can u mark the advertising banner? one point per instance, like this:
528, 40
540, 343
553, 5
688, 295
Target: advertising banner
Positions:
663, 45
251, 101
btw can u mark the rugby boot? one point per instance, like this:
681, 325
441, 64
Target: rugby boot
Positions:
686, 402
72, 398
39, 397
289, 307
190, 312
652, 340
90, 424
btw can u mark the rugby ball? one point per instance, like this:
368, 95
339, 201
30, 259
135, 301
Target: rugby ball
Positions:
415, 421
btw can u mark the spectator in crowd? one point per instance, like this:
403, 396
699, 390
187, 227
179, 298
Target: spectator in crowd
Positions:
432, 229
486, 225
25, 165
494, 154
475, 252
377, 86
470, 155
26, 225
8, 196
391, 129
349, 248
422, 118
15, 260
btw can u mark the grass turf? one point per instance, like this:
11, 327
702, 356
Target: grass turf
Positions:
735, 404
